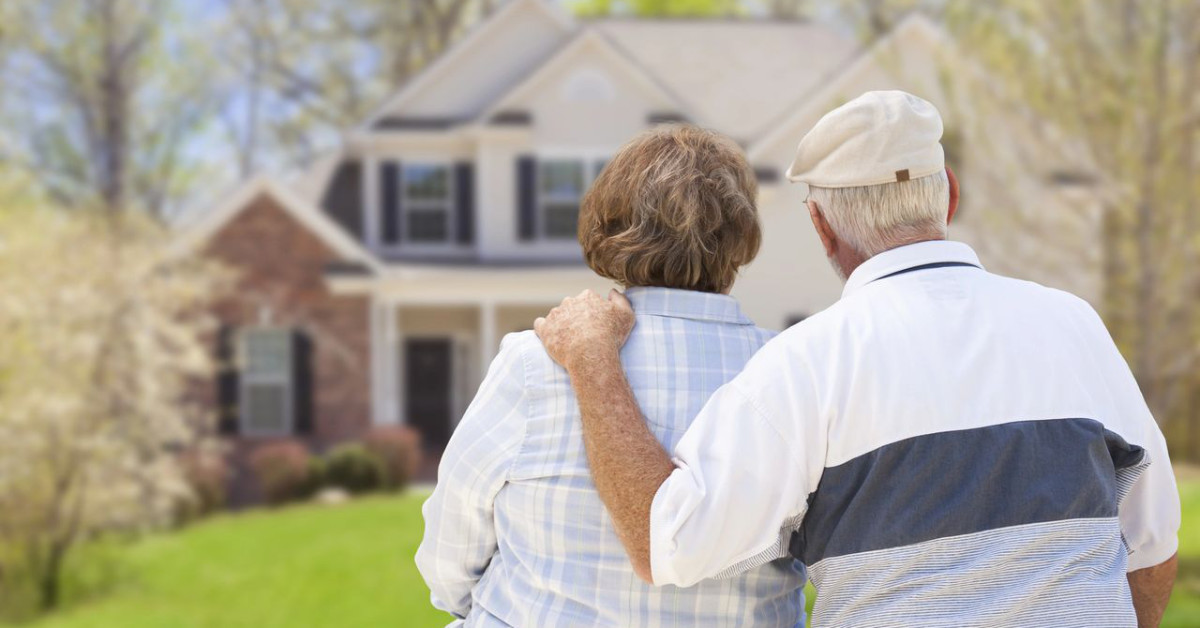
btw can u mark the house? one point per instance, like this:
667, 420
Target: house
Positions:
376, 287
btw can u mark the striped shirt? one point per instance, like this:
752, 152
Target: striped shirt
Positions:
942, 447
515, 534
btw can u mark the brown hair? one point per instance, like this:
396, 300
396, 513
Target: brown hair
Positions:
674, 208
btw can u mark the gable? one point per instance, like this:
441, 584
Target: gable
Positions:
589, 93
300, 214
477, 70
264, 239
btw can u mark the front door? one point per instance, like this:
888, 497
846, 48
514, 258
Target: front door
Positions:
428, 364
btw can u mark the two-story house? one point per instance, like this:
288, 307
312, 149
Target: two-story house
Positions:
375, 288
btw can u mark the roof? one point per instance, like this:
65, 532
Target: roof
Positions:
737, 76
816, 102
505, 16
195, 233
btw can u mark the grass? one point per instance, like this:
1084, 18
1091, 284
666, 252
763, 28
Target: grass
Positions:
1184, 609
302, 566
336, 566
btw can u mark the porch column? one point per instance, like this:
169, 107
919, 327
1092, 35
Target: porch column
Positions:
487, 336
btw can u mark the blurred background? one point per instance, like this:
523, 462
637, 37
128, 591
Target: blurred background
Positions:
255, 255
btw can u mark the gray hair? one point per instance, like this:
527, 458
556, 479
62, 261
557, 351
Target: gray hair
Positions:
875, 218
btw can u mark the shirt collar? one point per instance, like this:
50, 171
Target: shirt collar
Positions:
675, 303
905, 257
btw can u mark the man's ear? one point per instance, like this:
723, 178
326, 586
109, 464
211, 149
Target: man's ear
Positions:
828, 239
953, 194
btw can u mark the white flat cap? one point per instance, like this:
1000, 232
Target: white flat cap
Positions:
876, 138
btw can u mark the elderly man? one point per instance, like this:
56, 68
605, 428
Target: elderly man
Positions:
942, 447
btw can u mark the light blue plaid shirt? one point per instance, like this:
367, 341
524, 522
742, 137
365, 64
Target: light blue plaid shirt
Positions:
515, 534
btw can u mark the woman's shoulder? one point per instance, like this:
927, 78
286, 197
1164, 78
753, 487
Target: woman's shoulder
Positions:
526, 347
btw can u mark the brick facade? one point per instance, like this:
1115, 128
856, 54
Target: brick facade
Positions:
280, 267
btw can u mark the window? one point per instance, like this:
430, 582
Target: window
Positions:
267, 381
588, 86
427, 202
561, 188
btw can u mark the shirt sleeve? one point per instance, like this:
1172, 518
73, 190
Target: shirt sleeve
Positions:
1149, 509
744, 470
460, 538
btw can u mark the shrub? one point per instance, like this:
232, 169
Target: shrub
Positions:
351, 467
284, 471
399, 449
206, 475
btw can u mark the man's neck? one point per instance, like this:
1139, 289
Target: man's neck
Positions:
851, 260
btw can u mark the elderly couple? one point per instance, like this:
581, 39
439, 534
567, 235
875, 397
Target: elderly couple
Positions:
941, 447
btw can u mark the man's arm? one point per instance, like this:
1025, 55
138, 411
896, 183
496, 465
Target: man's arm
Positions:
1151, 589
460, 538
733, 490
1150, 511
627, 462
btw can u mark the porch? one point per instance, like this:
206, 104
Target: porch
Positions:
435, 331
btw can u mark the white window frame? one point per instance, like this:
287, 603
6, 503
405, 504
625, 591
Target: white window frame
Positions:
450, 247
447, 205
246, 379
591, 160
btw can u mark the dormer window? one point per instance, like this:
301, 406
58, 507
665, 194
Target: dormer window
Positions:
427, 202
588, 86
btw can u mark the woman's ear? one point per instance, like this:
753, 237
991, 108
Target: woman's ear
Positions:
828, 239
953, 194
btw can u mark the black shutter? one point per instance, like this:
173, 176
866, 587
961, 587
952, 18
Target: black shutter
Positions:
302, 382
464, 201
343, 197
389, 198
228, 382
526, 197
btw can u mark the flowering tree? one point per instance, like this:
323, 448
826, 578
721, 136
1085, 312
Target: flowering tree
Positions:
100, 330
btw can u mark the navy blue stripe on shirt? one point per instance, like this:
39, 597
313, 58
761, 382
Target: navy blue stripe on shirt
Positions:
966, 481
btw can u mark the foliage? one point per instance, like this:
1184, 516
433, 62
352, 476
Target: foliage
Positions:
352, 467
103, 99
302, 73
1115, 83
285, 471
94, 368
399, 449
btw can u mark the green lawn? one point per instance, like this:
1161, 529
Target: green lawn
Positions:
344, 566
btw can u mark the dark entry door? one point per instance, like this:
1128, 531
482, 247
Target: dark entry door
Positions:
427, 371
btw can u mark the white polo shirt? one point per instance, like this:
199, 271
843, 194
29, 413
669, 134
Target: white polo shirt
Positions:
943, 446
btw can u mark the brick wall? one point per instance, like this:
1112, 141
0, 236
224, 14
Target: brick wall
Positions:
280, 265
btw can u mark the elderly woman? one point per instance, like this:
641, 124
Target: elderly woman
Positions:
515, 534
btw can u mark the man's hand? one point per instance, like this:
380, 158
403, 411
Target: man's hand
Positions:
585, 326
